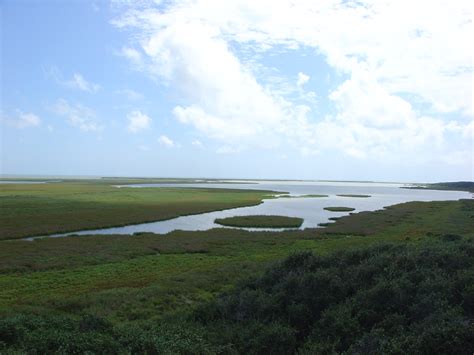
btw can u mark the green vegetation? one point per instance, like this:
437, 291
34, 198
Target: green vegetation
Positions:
353, 195
339, 209
452, 186
303, 196
326, 224
382, 299
154, 293
262, 221
374, 299
40, 209
150, 274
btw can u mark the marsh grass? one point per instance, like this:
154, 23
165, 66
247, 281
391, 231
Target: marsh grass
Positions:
261, 221
132, 282
42, 209
303, 196
339, 209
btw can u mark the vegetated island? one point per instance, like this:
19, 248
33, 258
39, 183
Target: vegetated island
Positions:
339, 209
353, 195
261, 221
303, 196
326, 224
450, 186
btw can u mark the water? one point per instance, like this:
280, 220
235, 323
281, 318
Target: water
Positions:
310, 209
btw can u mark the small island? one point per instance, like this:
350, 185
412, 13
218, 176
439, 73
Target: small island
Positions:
339, 209
261, 221
324, 224
353, 195
303, 196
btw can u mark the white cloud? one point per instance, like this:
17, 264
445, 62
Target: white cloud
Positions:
76, 82
392, 59
302, 79
166, 141
79, 82
132, 55
77, 115
138, 121
22, 120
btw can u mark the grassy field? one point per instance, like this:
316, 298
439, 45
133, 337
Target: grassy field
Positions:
263, 221
40, 209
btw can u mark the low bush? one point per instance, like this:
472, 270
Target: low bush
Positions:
383, 299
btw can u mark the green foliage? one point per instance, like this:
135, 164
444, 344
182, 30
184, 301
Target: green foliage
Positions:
91, 334
380, 299
261, 221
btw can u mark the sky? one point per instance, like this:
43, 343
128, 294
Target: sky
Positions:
343, 90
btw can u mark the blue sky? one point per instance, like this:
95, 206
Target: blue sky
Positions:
330, 90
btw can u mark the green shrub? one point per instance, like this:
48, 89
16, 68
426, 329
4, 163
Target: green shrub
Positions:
382, 299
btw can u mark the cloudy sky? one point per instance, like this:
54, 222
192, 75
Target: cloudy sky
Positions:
367, 90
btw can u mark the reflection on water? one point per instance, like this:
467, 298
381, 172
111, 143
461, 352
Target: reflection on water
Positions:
310, 209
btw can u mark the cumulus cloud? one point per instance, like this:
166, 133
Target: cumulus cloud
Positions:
403, 66
138, 121
22, 120
166, 141
77, 115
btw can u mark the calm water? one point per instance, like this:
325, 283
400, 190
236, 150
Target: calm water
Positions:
310, 209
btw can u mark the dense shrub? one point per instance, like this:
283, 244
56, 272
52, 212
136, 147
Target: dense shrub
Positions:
58, 334
382, 299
